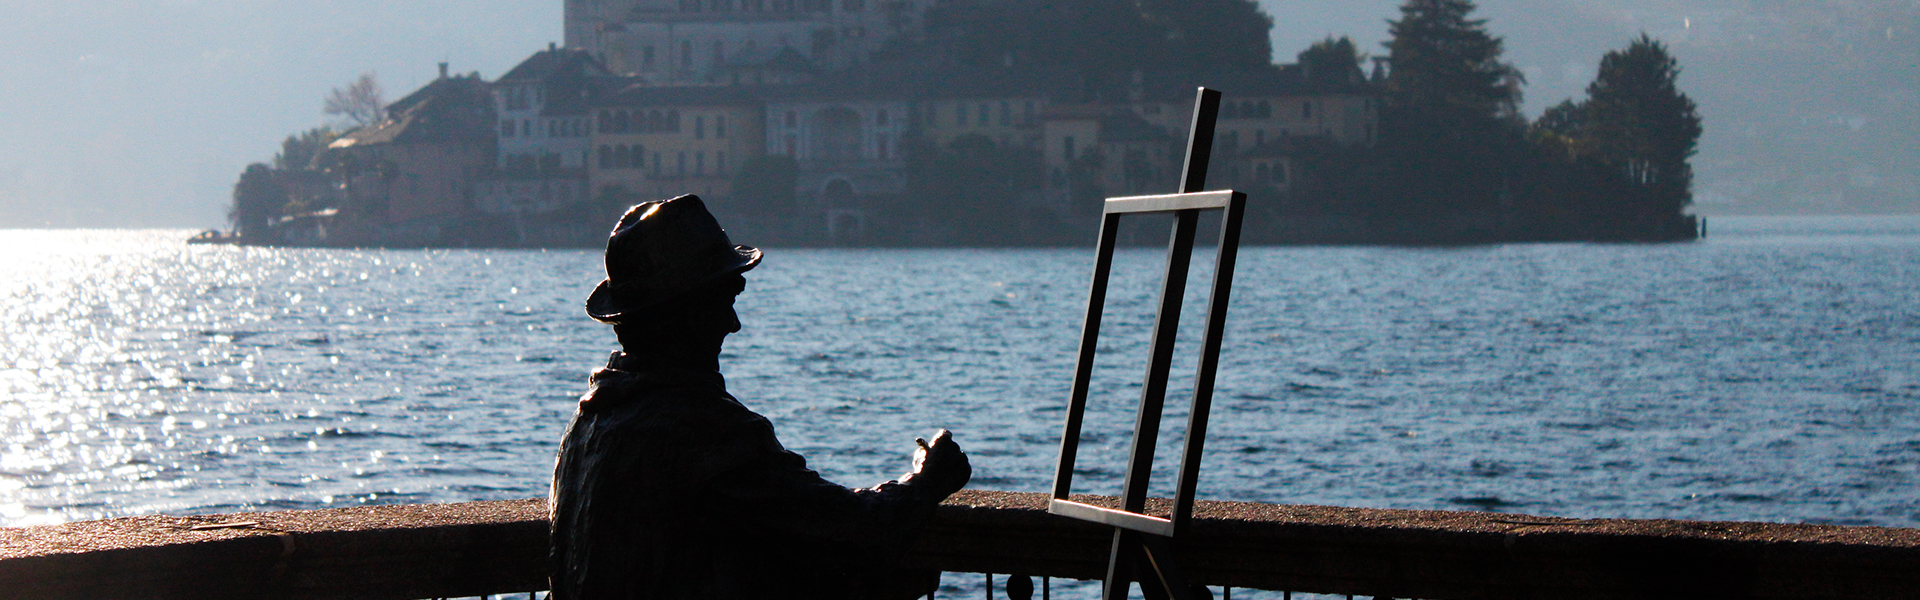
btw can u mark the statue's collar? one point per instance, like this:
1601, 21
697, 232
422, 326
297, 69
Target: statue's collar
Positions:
663, 372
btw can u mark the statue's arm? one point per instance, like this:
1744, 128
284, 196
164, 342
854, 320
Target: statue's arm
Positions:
774, 487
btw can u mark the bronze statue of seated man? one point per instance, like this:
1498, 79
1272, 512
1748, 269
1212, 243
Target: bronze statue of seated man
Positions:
668, 488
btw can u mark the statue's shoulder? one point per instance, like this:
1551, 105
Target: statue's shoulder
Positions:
656, 400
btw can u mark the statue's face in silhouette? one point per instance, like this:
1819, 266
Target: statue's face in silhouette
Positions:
696, 322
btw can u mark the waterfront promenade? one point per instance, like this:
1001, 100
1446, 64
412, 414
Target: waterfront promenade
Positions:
403, 552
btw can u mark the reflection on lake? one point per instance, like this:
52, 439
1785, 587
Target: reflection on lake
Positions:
1769, 373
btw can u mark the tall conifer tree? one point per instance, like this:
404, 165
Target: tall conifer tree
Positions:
1451, 123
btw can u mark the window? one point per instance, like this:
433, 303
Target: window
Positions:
793, 120
686, 54
1259, 137
699, 127
682, 166
720, 126
1006, 113
1066, 147
606, 157
639, 157
793, 146
853, 5
960, 115
984, 118
506, 129
720, 162
700, 163
719, 53
1306, 110
646, 56
880, 147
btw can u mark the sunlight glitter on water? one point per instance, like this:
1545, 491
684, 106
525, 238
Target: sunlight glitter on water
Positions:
127, 371
1740, 378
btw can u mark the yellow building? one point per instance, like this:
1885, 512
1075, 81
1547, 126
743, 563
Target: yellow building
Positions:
1001, 105
1093, 151
1264, 106
660, 142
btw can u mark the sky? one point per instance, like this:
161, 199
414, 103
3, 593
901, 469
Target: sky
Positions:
142, 113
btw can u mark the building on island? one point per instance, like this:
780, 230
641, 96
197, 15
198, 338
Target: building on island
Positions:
697, 41
803, 122
409, 179
544, 130
657, 142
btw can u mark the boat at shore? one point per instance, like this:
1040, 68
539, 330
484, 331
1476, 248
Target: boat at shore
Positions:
214, 236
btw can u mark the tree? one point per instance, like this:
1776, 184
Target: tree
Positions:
257, 198
1104, 38
306, 150
359, 102
765, 184
1230, 34
975, 187
1443, 61
1451, 128
1637, 121
1331, 63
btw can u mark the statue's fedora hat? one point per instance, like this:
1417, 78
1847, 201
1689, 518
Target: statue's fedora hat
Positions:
662, 249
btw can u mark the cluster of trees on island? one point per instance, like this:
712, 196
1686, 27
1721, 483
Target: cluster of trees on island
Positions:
1454, 161
1453, 144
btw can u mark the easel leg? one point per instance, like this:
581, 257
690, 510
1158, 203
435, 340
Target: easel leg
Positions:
1149, 560
1157, 555
1118, 560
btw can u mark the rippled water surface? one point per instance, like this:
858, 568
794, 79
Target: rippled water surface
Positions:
1769, 373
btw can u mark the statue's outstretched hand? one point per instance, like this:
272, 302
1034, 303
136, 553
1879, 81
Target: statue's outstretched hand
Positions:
940, 466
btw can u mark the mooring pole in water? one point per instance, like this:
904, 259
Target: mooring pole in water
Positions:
1141, 542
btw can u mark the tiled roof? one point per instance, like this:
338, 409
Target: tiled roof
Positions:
545, 64
451, 109
570, 79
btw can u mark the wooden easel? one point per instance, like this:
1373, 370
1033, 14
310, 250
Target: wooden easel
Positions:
1142, 547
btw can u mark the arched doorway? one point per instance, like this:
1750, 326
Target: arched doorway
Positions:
846, 224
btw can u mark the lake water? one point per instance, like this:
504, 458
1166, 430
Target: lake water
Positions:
1771, 372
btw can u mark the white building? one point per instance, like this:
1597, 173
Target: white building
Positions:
694, 41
